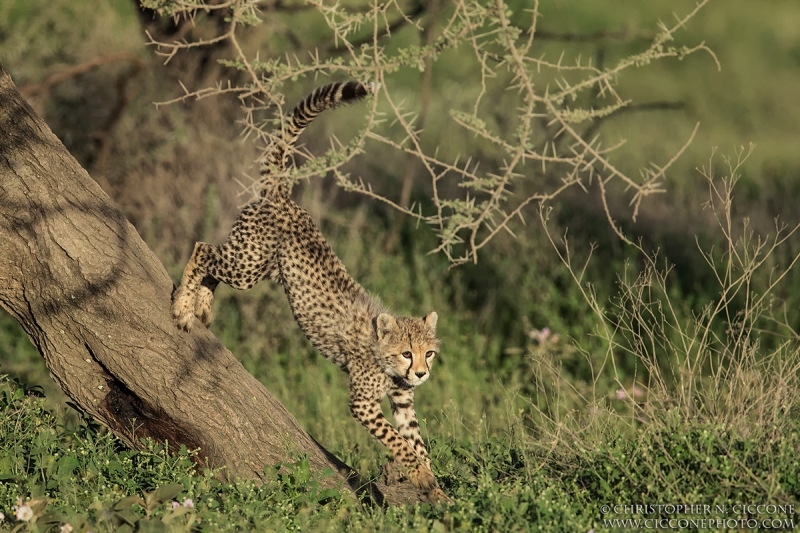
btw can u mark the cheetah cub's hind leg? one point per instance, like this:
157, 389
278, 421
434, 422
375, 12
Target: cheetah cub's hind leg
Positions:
232, 264
208, 266
185, 300
241, 262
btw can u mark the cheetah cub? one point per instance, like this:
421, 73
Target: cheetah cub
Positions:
273, 237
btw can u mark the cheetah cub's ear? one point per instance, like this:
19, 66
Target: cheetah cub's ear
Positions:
385, 324
430, 321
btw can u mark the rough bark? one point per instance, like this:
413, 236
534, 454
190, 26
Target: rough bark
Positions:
96, 303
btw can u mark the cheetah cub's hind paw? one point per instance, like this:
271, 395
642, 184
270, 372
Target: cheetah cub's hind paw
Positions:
183, 310
203, 306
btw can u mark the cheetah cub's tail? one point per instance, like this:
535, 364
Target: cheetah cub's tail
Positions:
322, 98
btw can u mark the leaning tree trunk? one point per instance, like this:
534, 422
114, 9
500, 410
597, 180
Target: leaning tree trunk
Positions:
96, 303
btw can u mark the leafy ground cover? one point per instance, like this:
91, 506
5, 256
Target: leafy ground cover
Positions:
83, 477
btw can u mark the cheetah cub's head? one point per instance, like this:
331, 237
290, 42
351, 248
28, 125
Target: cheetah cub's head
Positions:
407, 346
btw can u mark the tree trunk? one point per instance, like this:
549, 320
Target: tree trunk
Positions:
96, 303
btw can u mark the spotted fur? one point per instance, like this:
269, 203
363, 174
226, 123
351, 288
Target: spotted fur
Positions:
274, 238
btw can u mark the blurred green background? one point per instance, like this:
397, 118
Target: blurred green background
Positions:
175, 170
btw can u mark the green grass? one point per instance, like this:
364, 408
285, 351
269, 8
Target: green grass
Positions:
500, 482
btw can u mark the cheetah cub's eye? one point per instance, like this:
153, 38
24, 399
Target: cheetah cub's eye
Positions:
407, 355
429, 354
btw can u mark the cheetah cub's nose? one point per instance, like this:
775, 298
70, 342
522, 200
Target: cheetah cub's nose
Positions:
420, 374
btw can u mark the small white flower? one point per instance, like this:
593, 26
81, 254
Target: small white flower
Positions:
66, 528
175, 504
24, 513
188, 503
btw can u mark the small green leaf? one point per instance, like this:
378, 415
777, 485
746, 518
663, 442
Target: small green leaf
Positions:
66, 466
151, 525
167, 492
128, 502
127, 516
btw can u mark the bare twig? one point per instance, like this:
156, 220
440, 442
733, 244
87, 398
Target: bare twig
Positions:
32, 90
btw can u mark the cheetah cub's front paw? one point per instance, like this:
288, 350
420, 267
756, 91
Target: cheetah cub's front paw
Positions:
422, 477
183, 310
438, 495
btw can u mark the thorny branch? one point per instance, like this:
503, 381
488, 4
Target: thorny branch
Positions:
525, 165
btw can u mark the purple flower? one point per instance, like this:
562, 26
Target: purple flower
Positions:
188, 503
